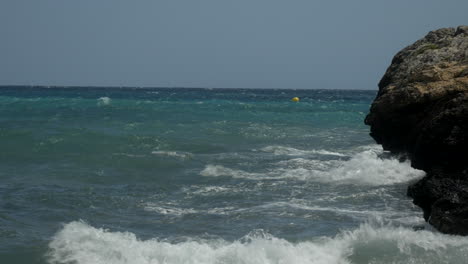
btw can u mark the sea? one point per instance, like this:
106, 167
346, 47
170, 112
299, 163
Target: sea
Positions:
207, 176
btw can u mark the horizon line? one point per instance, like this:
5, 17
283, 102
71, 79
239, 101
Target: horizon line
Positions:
164, 87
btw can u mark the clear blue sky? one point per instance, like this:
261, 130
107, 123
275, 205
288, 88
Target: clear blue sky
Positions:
327, 44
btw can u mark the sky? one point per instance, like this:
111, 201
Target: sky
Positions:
302, 44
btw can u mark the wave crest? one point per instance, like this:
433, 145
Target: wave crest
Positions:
103, 101
80, 243
365, 168
368, 168
281, 150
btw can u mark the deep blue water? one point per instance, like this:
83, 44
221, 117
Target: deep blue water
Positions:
176, 175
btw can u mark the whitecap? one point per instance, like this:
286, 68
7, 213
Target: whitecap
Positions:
368, 168
282, 150
363, 168
211, 170
80, 243
374, 242
103, 101
212, 190
171, 209
404, 217
177, 154
168, 210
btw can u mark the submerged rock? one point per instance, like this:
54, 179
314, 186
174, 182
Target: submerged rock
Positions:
421, 109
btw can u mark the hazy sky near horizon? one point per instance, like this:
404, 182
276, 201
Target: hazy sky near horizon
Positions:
327, 44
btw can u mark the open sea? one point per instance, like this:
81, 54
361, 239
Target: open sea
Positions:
175, 175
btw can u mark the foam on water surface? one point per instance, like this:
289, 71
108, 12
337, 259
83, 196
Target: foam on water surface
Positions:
177, 154
282, 150
81, 243
363, 167
219, 170
104, 101
177, 211
367, 167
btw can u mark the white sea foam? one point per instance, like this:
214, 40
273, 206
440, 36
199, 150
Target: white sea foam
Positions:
219, 170
171, 209
374, 192
177, 154
282, 150
168, 210
356, 213
212, 190
368, 168
80, 243
104, 101
365, 168
307, 163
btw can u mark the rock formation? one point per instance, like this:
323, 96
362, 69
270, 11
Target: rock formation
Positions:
421, 110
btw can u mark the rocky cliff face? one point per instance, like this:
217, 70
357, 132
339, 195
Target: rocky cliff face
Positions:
422, 110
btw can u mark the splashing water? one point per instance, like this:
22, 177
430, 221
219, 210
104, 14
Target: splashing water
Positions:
80, 243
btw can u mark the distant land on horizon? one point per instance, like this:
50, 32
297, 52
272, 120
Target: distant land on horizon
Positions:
165, 87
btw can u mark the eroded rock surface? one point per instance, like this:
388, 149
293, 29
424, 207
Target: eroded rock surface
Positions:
422, 110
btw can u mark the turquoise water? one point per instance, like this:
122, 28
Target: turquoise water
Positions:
173, 175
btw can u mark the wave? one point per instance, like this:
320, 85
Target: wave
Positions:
170, 210
281, 150
368, 168
375, 242
103, 101
219, 170
210, 190
405, 218
176, 154
129, 155
365, 167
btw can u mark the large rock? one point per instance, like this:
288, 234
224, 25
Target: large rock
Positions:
421, 110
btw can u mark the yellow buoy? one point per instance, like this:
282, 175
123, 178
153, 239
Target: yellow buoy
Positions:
295, 99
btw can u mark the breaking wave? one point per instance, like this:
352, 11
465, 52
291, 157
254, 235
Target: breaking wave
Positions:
104, 101
365, 167
368, 168
81, 243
